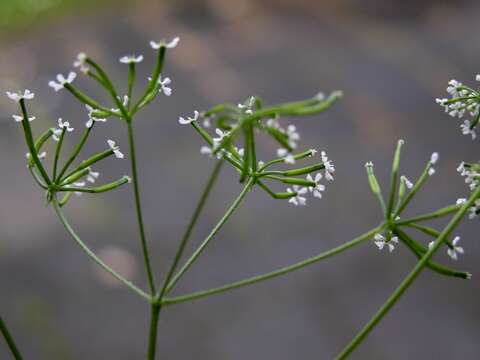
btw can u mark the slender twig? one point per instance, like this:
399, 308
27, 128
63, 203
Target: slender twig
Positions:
136, 188
9, 339
76, 151
273, 274
397, 294
433, 215
92, 255
57, 154
188, 232
214, 231
152, 335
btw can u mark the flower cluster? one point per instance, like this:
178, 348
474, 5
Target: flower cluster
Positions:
402, 191
249, 118
62, 180
463, 99
471, 173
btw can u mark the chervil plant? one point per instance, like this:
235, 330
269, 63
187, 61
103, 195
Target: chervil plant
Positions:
229, 134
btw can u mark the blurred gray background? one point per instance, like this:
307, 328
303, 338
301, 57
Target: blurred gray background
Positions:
391, 58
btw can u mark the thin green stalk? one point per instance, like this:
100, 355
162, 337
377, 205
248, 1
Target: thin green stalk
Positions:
191, 225
210, 236
394, 180
397, 294
94, 257
447, 210
136, 188
9, 339
152, 335
418, 184
273, 274
37, 178
31, 144
57, 154
131, 81
76, 151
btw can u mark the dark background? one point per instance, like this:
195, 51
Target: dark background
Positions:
391, 58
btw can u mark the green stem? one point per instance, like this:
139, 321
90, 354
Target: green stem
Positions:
57, 154
37, 179
191, 225
136, 188
397, 294
210, 236
273, 274
94, 257
394, 180
433, 215
30, 143
131, 81
9, 339
152, 335
76, 151
416, 187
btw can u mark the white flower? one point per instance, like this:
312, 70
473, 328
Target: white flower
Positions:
466, 129
169, 45
431, 171
434, 158
188, 120
329, 167
128, 178
293, 136
207, 122
461, 201
455, 250
163, 86
318, 188
289, 158
41, 156
91, 118
206, 150
337, 93
221, 135
62, 81
477, 77
131, 59
27, 95
298, 199
62, 126
247, 106
241, 151
115, 148
313, 152
19, 118
407, 182
473, 211
81, 61
92, 176
380, 242
273, 123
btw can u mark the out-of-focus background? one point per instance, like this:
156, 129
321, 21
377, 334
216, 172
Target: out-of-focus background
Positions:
391, 58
